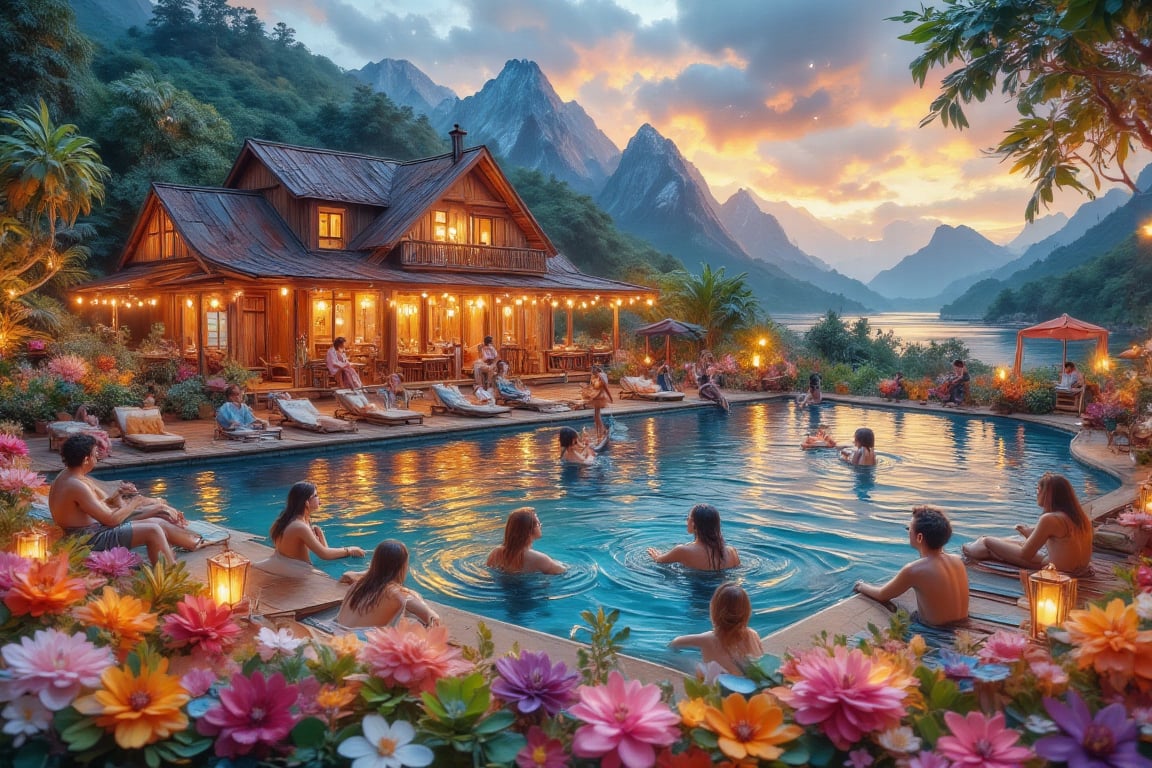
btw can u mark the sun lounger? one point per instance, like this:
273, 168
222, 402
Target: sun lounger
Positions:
449, 399
299, 412
143, 429
248, 434
361, 405
639, 388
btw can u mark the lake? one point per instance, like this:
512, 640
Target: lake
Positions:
991, 344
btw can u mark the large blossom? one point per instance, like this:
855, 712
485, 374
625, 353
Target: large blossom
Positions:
981, 742
253, 716
623, 723
126, 618
411, 655
1004, 648
1110, 739
271, 643
530, 682
20, 480
138, 709
750, 727
201, 624
71, 368
54, 666
114, 563
541, 751
11, 566
1110, 641
847, 693
385, 746
45, 588
11, 449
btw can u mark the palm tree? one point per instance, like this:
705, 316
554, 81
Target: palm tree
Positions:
721, 305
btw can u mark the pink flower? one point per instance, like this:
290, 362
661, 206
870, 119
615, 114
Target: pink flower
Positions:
858, 758
981, 742
54, 666
1047, 672
197, 681
928, 760
11, 566
113, 563
68, 367
11, 447
623, 723
253, 716
1144, 577
847, 693
541, 751
201, 624
1004, 648
411, 655
18, 480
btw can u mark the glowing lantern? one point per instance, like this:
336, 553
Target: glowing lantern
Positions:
1002, 373
31, 544
1145, 497
1051, 595
227, 575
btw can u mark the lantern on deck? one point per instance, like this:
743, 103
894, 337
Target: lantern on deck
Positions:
31, 544
1144, 498
227, 575
1051, 596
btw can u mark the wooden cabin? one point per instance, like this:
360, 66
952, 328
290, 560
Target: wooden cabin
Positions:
414, 263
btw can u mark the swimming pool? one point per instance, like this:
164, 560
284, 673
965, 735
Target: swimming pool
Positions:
806, 525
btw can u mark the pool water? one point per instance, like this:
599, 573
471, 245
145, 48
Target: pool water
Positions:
805, 524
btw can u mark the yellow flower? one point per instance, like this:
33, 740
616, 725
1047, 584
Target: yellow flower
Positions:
692, 711
751, 727
1109, 640
127, 618
917, 645
345, 645
139, 710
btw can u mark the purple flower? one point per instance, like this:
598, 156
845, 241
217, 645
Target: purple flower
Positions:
530, 682
113, 563
1107, 740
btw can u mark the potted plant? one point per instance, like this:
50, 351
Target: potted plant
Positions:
184, 398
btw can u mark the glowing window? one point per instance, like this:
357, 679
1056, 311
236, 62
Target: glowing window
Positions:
440, 226
331, 228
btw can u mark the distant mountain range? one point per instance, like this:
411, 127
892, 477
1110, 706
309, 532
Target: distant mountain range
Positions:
406, 85
952, 254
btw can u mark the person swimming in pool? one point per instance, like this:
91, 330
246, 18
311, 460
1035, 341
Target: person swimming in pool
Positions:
731, 643
574, 450
707, 551
516, 555
864, 454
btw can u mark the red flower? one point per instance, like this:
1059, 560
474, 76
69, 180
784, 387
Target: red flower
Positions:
200, 623
254, 716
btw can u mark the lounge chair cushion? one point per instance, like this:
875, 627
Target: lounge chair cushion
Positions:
302, 411
645, 389
127, 418
144, 424
454, 400
359, 404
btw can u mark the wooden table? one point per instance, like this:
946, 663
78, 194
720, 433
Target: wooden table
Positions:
430, 367
568, 360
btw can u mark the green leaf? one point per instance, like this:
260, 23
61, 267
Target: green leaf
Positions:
309, 732
152, 757
504, 747
798, 755
497, 721
83, 735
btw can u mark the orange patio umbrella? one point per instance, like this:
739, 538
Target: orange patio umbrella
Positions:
1065, 329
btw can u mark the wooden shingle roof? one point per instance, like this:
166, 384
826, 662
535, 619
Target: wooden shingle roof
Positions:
322, 173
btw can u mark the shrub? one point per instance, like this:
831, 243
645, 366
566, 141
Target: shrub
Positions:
109, 394
185, 398
1040, 399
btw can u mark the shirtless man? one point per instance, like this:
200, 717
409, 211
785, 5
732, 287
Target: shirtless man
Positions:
939, 580
80, 510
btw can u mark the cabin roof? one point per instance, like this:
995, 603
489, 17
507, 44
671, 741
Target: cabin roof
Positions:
322, 173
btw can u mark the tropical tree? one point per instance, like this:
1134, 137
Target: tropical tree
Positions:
721, 305
42, 53
49, 177
1079, 70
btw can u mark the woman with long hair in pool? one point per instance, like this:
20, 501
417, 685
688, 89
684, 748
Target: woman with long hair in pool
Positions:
516, 555
296, 538
599, 395
1064, 529
731, 643
707, 551
573, 450
378, 596
864, 452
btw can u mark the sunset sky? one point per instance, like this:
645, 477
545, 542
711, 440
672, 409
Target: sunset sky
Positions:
805, 101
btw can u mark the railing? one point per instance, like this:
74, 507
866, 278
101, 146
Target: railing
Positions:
419, 254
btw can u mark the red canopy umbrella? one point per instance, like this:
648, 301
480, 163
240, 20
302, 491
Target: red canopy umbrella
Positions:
1063, 328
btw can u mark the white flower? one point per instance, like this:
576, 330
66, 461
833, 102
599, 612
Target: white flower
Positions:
274, 642
25, 717
1040, 725
385, 746
900, 740
708, 672
1143, 605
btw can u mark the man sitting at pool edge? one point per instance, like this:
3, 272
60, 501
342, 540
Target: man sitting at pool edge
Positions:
939, 580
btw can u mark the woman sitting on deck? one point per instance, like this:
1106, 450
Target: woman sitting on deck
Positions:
378, 596
507, 388
707, 551
516, 555
708, 381
731, 643
1063, 529
295, 537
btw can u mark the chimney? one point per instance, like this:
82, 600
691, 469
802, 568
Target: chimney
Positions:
457, 142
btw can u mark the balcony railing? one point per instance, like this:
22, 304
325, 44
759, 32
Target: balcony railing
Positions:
458, 257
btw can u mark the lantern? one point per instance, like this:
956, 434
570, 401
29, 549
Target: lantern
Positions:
1051, 595
31, 544
227, 573
1144, 498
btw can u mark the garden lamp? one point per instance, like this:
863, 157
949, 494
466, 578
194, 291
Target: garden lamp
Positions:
227, 575
31, 544
1145, 497
1051, 596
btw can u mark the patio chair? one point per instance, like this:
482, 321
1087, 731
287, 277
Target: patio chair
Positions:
143, 429
301, 413
640, 388
1070, 400
276, 371
449, 399
248, 434
370, 408
515, 395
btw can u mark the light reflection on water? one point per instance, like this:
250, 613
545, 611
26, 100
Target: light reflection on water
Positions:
806, 525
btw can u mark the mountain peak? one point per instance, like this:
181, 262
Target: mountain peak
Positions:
405, 84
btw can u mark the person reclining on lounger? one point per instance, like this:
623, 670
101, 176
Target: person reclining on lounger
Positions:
235, 413
1063, 529
939, 579
137, 521
508, 388
296, 537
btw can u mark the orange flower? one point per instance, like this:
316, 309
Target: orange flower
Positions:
125, 617
751, 727
692, 711
345, 645
1110, 641
141, 709
332, 700
45, 588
